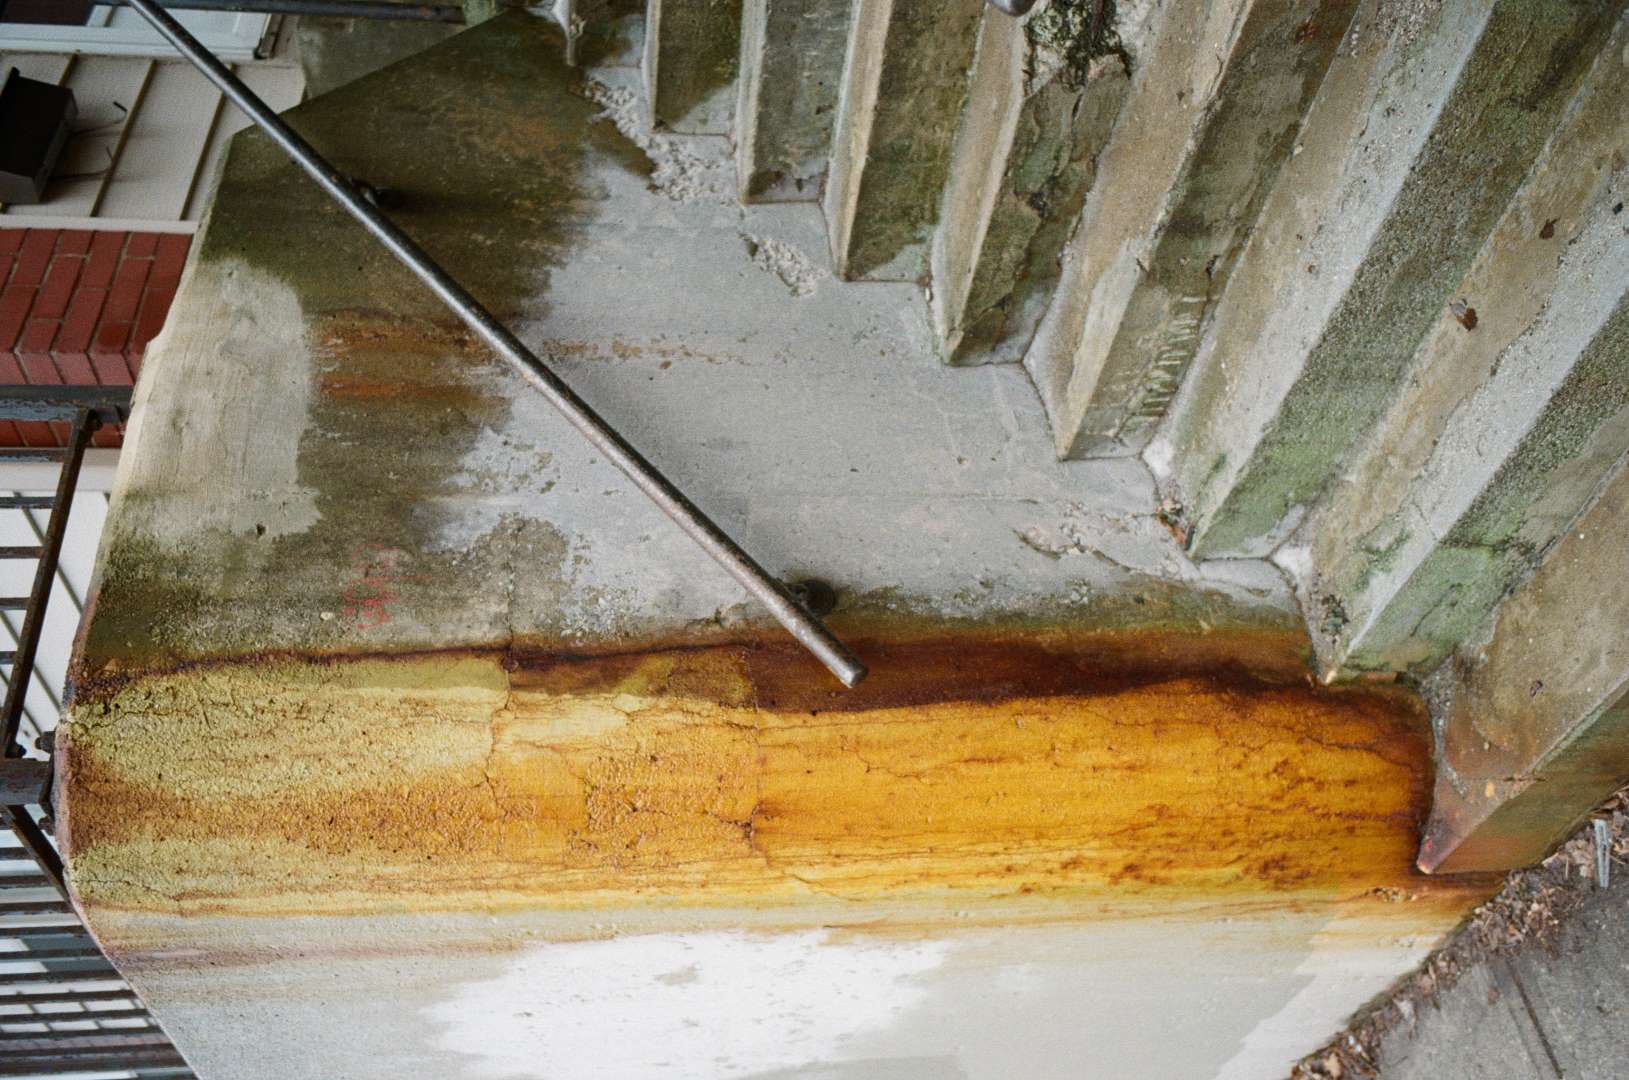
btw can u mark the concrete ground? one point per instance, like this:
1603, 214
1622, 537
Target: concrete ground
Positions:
1554, 1010
1535, 985
1559, 1009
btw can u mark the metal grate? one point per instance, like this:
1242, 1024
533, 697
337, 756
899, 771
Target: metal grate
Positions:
64, 1010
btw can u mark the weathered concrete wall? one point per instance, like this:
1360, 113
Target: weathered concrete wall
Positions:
1214, 112
332, 52
1414, 148
791, 69
904, 84
1534, 723
691, 51
372, 734
1508, 423
1024, 159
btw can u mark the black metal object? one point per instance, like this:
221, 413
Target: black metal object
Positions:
109, 404
46, 12
810, 632
23, 781
43, 1025
344, 9
36, 119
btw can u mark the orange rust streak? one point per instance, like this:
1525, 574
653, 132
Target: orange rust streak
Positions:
705, 777
337, 386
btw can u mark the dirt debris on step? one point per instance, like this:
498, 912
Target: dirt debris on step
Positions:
1530, 908
678, 171
797, 271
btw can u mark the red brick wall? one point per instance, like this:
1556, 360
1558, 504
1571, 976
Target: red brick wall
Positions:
78, 308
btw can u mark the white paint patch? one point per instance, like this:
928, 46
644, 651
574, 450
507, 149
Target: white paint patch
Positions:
707, 1006
504, 479
235, 334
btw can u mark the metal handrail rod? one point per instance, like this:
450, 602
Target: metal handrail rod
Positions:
40, 849
807, 629
344, 9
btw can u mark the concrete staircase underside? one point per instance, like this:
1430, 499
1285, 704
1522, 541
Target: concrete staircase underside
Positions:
399, 708
1350, 276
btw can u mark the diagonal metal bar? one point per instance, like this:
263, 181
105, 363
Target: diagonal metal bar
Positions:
38, 846
808, 630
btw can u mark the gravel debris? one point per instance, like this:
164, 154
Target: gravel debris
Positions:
796, 270
679, 172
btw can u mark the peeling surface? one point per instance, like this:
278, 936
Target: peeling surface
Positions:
678, 171
796, 270
966, 766
1023, 163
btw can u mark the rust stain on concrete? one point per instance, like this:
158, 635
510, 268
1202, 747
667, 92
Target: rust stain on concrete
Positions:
972, 769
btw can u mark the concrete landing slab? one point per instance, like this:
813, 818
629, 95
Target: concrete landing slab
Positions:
402, 719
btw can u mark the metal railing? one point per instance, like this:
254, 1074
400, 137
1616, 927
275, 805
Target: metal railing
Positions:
399, 10
64, 1009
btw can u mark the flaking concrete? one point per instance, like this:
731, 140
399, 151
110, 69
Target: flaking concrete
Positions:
1024, 159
